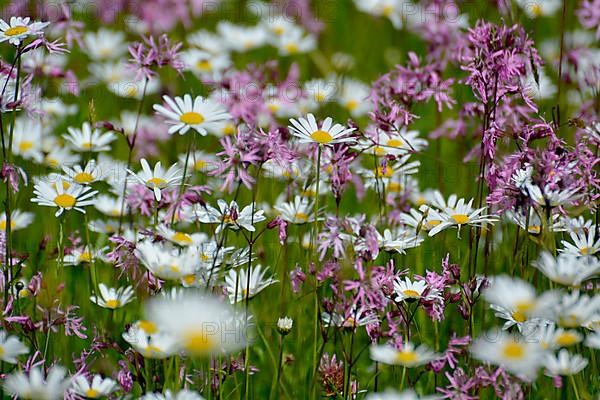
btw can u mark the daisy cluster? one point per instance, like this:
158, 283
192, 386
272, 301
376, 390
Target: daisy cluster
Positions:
281, 205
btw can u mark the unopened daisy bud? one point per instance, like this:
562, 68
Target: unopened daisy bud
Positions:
284, 325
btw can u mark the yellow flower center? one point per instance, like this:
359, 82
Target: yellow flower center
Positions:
536, 10
91, 393
411, 293
535, 229
291, 48
86, 256
567, 339
379, 151
384, 172
460, 219
204, 257
181, 237
513, 350
273, 107
519, 316
198, 342
87, 145
321, 137
65, 200
3, 225
53, 162
131, 91
189, 279
433, 222
113, 303
84, 177
152, 351
25, 145
227, 219
320, 97
395, 143
406, 357
191, 118
204, 65
300, 216
1, 351
16, 31
352, 105
585, 250
229, 129
395, 187
569, 321
200, 165
156, 182
148, 326
388, 10
278, 30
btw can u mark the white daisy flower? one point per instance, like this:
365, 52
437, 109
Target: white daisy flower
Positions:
399, 240
321, 91
207, 41
145, 338
109, 205
11, 348
567, 269
523, 302
168, 263
229, 215
353, 96
391, 9
91, 172
99, 387
593, 340
575, 310
542, 8
409, 356
295, 41
112, 298
460, 214
105, 44
60, 155
535, 223
85, 255
107, 227
186, 113
158, 179
27, 139
584, 243
352, 319
300, 211
184, 394
36, 386
393, 143
206, 65
236, 283
514, 353
202, 324
410, 291
86, 139
278, 25
241, 38
564, 363
391, 394
19, 28
18, 220
547, 197
307, 131
181, 238
56, 194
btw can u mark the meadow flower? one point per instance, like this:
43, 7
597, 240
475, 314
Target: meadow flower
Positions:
564, 363
230, 215
88, 140
99, 387
461, 214
353, 96
91, 172
398, 241
284, 325
593, 340
523, 304
184, 394
584, 243
410, 291
105, 44
206, 65
352, 318
84, 255
58, 156
36, 385
57, 194
10, 348
394, 143
145, 338
567, 269
201, 324
575, 309
300, 211
112, 298
166, 263
239, 286
18, 220
186, 113
308, 131
108, 205
158, 179
512, 352
548, 197
295, 41
241, 38
181, 238
391, 394
409, 356
27, 139
18, 29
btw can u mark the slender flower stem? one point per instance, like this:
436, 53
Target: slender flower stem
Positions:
131, 145
313, 249
183, 177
